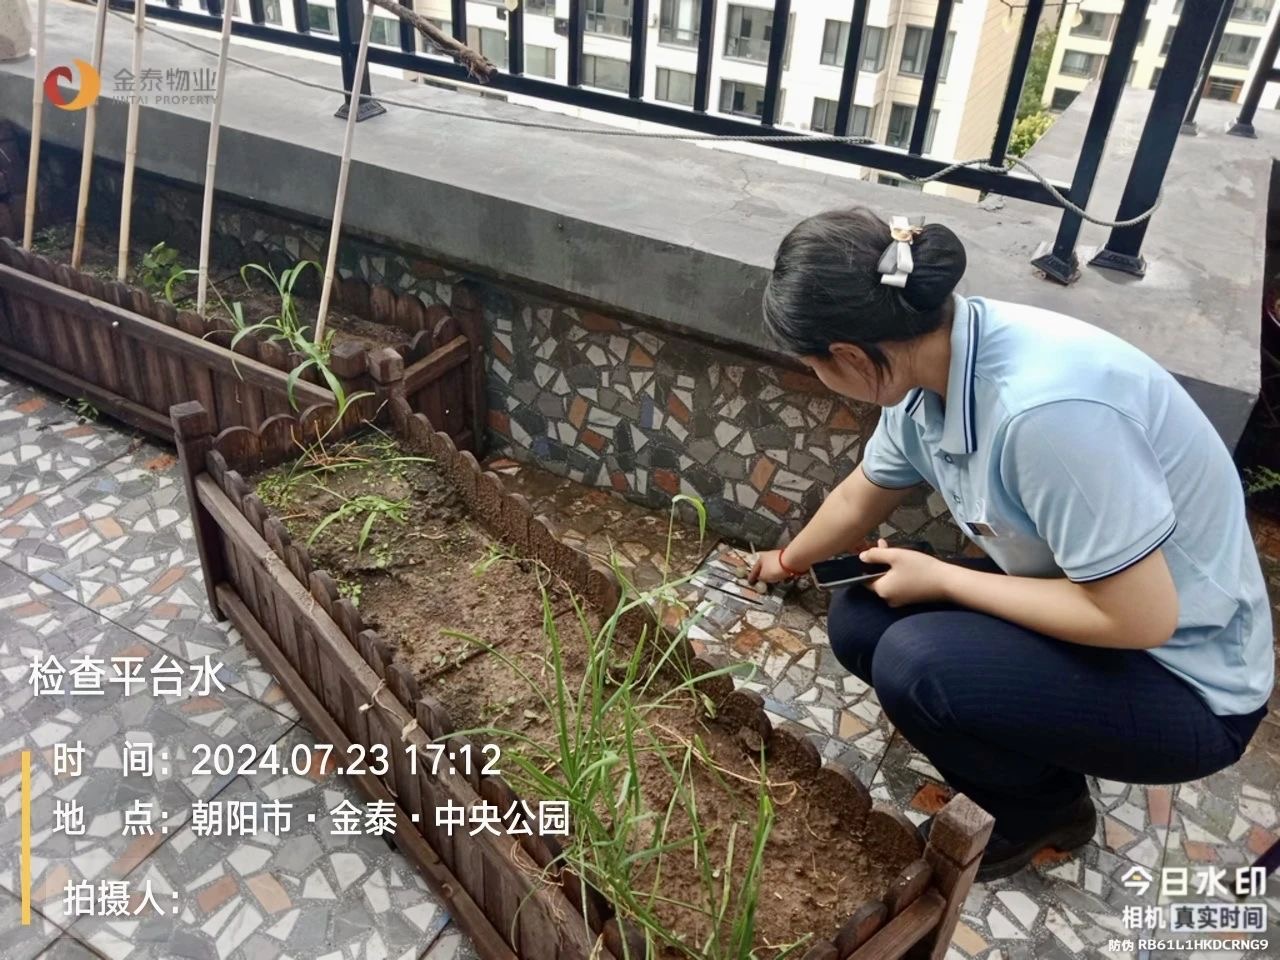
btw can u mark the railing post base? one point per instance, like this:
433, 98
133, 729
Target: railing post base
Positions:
1189, 128
1242, 129
1135, 266
369, 108
1063, 270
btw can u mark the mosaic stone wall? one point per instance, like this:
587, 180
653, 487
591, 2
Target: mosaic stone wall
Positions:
652, 416
585, 395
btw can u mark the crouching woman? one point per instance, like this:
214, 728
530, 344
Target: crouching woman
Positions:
1118, 625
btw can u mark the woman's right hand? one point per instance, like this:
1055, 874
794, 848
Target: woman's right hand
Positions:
768, 568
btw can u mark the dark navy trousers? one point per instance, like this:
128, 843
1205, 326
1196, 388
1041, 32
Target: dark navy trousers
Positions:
1016, 719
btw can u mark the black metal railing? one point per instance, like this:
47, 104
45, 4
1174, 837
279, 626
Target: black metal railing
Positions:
1195, 37
1267, 72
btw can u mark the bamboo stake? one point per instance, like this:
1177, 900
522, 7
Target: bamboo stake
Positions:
211, 165
90, 133
131, 140
344, 171
37, 123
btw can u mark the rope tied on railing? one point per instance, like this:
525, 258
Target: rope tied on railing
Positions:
981, 163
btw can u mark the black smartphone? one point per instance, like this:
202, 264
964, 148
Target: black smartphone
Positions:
842, 571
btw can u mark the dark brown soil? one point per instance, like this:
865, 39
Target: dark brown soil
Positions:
424, 581
417, 581
99, 256
258, 301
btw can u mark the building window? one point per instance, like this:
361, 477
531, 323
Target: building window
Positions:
902, 118
1251, 11
322, 18
675, 86
835, 40
1096, 26
609, 17
915, 52
824, 114
1220, 88
748, 33
1155, 77
824, 118
860, 121
679, 22
545, 8
1061, 98
385, 31
1142, 31
835, 37
885, 180
875, 41
1077, 63
742, 99
444, 26
492, 44
1168, 40
608, 73
271, 12
540, 61
1235, 50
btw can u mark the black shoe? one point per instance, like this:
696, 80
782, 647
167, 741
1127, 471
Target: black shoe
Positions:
1003, 858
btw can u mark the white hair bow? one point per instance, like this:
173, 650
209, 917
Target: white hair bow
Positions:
896, 263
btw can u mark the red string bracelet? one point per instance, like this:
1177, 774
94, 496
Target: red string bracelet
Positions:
783, 564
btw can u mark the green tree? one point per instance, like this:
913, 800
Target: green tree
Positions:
1037, 74
1027, 130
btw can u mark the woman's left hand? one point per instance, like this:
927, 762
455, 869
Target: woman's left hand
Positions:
913, 577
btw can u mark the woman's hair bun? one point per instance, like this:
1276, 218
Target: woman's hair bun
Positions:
940, 262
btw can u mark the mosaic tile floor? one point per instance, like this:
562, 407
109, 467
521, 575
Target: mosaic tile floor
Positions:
97, 562
97, 559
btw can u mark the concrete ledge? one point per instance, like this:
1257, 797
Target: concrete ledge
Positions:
683, 237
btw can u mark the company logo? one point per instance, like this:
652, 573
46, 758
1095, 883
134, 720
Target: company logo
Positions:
90, 86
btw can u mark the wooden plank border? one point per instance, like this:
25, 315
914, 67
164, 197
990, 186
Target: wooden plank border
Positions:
256, 556
340, 669
128, 323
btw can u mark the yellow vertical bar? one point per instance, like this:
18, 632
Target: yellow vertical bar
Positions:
26, 837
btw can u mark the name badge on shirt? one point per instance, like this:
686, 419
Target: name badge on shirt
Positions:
979, 527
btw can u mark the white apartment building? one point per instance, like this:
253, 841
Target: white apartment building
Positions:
975, 67
1084, 42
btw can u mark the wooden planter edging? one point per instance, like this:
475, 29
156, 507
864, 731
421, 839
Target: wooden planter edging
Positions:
131, 355
510, 895
444, 366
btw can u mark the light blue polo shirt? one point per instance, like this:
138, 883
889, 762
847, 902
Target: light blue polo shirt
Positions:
1063, 450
